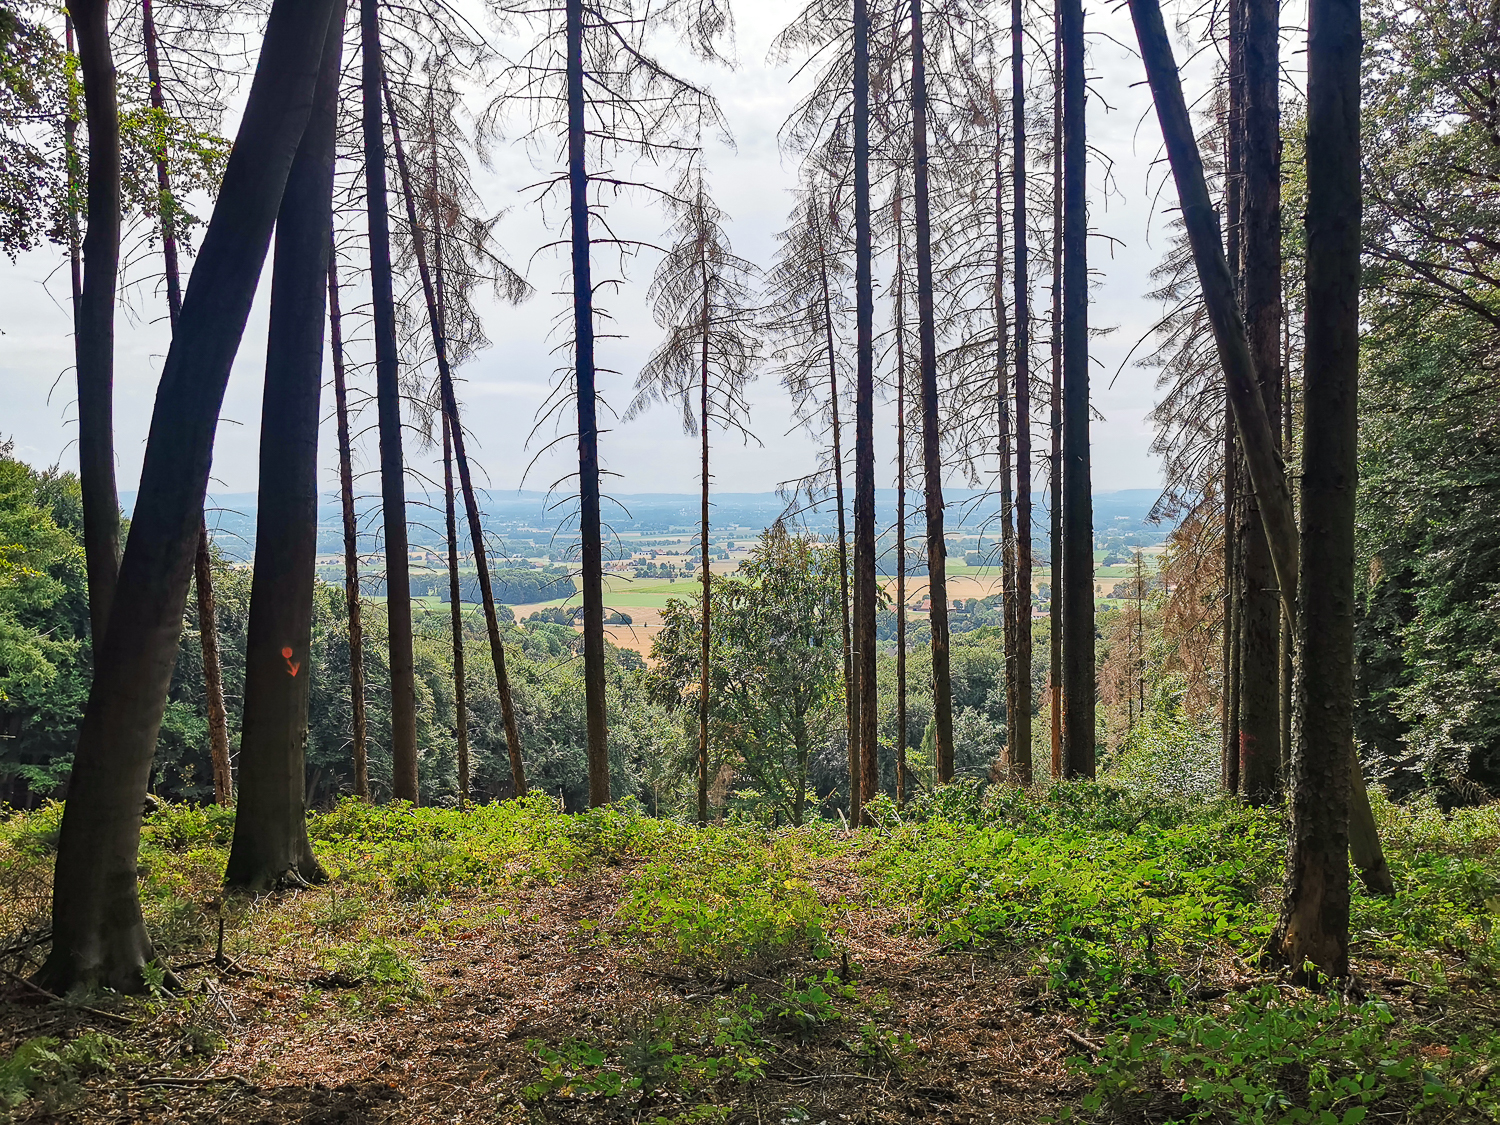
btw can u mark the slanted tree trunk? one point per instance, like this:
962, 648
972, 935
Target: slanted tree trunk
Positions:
1054, 605
94, 314
1264, 467
436, 318
1018, 723
588, 426
1079, 687
1007, 502
208, 635
1260, 247
903, 784
1314, 923
401, 659
351, 535
456, 613
866, 596
98, 936
932, 455
270, 847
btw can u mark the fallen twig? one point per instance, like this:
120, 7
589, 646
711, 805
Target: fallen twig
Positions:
56, 999
1089, 1046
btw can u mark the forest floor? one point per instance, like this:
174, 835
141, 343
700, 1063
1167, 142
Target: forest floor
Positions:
1079, 954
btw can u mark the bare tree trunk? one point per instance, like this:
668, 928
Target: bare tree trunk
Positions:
1007, 502
703, 701
208, 636
1054, 606
351, 534
1314, 923
1079, 686
70, 156
98, 936
94, 316
1229, 758
456, 614
388, 400
1018, 725
270, 847
436, 318
866, 596
1260, 241
588, 426
903, 784
1257, 439
932, 456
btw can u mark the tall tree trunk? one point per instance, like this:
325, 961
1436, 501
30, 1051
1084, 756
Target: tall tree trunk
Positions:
1234, 538
1055, 602
903, 784
208, 634
270, 847
1257, 439
1260, 242
351, 534
71, 160
94, 315
1018, 725
1078, 502
932, 455
588, 425
437, 319
456, 614
98, 936
866, 595
1229, 759
1007, 501
1314, 923
703, 700
851, 724
402, 661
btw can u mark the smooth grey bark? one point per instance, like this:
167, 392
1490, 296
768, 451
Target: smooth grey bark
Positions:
270, 847
98, 935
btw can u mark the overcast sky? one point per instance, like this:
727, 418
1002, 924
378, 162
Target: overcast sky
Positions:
505, 385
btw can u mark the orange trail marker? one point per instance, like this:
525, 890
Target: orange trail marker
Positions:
291, 668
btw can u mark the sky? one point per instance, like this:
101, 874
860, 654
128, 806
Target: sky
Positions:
504, 386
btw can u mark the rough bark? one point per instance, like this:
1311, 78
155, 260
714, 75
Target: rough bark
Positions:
351, 535
1078, 503
866, 593
1054, 606
1260, 242
1314, 924
270, 847
704, 639
436, 319
98, 936
932, 456
903, 784
1229, 758
456, 616
588, 425
1011, 627
400, 659
1018, 725
94, 319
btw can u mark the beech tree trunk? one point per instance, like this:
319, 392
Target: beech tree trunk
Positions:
1054, 604
1018, 725
94, 316
866, 595
588, 424
271, 848
351, 535
932, 455
401, 660
98, 936
436, 319
208, 635
1260, 244
1079, 681
456, 614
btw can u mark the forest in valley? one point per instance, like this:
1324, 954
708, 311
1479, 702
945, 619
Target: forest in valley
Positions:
938, 787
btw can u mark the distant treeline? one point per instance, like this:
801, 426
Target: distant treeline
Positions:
511, 586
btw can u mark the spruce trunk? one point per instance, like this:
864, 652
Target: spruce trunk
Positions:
270, 847
1054, 603
866, 594
703, 700
98, 935
1018, 725
1007, 500
903, 783
402, 660
456, 615
932, 456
